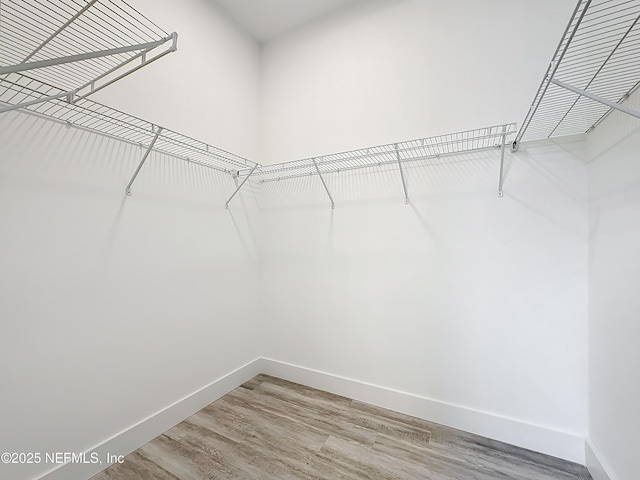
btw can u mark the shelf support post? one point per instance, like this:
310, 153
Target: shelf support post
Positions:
504, 141
404, 184
324, 184
596, 98
144, 159
226, 205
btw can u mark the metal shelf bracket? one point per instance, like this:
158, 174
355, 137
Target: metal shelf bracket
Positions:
68, 96
596, 98
324, 184
502, 147
404, 184
144, 159
226, 205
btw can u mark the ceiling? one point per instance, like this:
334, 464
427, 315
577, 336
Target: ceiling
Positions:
267, 19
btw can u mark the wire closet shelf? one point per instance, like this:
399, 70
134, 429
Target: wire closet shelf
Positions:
390, 154
77, 46
428, 149
53, 55
595, 68
102, 119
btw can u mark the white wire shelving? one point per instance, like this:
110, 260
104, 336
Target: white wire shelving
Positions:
595, 68
53, 55
98, 118
77, 46
401, 153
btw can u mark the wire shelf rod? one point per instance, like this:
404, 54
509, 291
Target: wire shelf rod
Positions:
65, 25
79, 57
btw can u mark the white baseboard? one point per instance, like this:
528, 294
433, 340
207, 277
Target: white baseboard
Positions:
565, 445
149, 428
534, 437
595, 463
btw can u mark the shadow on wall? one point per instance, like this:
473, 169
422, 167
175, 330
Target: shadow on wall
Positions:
43, 156
632, 133
613, 191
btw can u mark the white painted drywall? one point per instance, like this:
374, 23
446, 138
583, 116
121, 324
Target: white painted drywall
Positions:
460, 297
113, 308
614, 304
208, 89
381, 71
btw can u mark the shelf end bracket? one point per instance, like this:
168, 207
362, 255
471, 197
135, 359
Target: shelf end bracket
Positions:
144, 159
226, 205
502, 147
324, 184
404, 183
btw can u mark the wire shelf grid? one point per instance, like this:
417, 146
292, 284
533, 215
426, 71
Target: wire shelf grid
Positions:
599, 54
102, 119
405, 152
49, 38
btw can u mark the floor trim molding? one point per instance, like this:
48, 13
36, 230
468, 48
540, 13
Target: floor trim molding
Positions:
560, 444
149, 428
595, 464
565, 445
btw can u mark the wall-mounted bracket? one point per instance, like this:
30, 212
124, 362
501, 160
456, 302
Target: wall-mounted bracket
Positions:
324, 184
596, 98
144, 159
502, 147
404, 184
66, 95
226, 205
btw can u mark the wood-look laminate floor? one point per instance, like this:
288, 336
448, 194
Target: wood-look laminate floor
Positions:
273, 429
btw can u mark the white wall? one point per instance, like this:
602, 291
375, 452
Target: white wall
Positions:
381, 71
614, 305
208, 89
114, 307
460, 297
